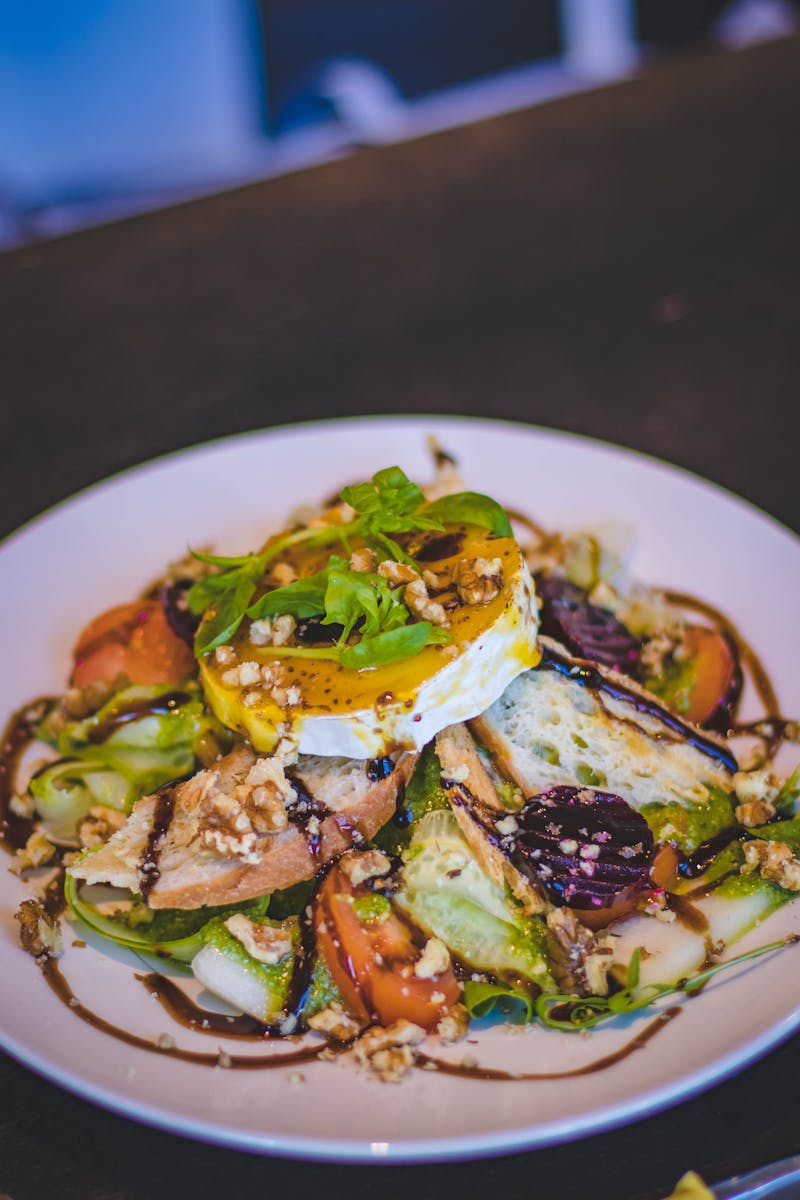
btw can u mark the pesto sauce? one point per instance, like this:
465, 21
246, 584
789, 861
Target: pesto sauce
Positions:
687, 826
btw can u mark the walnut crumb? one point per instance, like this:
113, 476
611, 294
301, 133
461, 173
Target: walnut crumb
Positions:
388, 1052
336, 1024
754, 813
368, 864
454, 1024
581, 959
99, 825
423, 607
363, 561
478, 580
265, 943
22, 806
37, 852
396, 573
39, 932
776, 862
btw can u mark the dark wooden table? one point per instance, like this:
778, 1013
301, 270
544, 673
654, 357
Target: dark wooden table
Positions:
623, 263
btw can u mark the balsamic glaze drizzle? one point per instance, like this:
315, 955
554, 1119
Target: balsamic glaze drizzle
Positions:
587, 674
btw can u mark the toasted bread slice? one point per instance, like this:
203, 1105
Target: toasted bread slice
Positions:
211, 849
477, 806
569, 722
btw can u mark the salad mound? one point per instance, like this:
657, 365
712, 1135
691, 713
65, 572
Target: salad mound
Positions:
407, 767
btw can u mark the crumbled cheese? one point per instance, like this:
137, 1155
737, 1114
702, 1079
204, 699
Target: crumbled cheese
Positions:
434, 960
507, 825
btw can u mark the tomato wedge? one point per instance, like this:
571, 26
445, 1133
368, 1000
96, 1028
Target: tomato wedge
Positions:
134, 640
716, 673
372, 961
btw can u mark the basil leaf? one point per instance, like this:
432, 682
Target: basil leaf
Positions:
390, 491
470, 508
482, 999
230, 609
304, 598
349, 597
219, 560
392, 646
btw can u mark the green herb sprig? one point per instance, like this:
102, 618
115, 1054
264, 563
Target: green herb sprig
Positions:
388, 504
586, 1012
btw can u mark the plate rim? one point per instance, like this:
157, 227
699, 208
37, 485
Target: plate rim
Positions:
409, 1150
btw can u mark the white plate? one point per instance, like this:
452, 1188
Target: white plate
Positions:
103, 546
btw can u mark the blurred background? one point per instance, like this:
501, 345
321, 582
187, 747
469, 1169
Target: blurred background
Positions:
112, 107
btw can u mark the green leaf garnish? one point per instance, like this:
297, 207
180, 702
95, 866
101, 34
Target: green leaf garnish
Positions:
392, 646
481, 999
470, 508
570, 1013
390, 503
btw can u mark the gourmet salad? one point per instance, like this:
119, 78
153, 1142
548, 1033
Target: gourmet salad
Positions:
414, 762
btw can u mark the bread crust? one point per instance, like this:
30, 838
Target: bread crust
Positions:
190, 877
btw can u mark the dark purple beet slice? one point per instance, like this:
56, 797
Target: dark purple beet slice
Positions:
181, 621
584, 848
586, 630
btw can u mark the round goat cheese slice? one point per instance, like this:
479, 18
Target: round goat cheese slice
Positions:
265, 692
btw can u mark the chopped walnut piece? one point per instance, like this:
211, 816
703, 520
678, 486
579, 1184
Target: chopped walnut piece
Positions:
454, 1025
776, 862
265, 943
39, 932
100, 823
363, 561
581, 959
437, 581
225, 826
388, 1052
421, 605
370, 864
753, 786
434, 960
754, 813
396, 573
37, 852
478, 580
269, 815
335, 1023
22, 806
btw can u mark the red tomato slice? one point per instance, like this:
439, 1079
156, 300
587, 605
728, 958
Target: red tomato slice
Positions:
715, 670
372, 962
133, 640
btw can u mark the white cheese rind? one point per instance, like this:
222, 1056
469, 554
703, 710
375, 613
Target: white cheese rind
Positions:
463, 687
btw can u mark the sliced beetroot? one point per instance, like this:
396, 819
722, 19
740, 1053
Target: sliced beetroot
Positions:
583, 848
181, 621
585, 629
